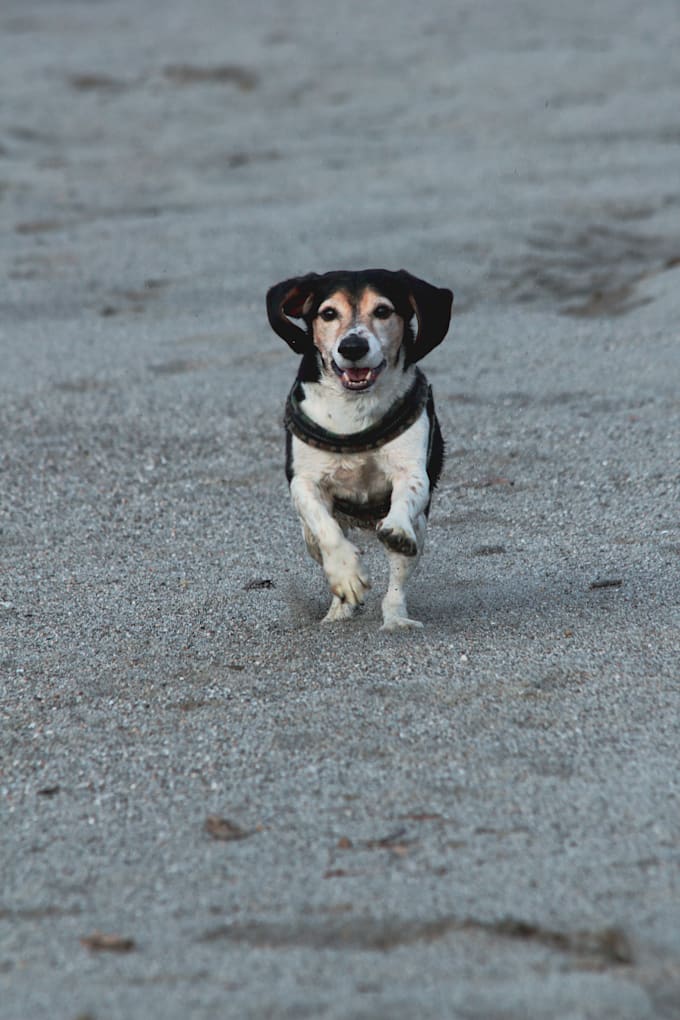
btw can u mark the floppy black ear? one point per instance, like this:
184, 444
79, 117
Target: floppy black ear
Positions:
286, 299
432, 307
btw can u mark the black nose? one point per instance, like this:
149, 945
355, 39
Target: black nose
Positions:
353, 347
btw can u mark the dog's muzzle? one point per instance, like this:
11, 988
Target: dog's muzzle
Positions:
351, 349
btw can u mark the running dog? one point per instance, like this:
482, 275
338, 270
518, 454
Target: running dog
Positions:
363, 444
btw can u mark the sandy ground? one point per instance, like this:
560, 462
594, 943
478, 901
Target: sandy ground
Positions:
479, 821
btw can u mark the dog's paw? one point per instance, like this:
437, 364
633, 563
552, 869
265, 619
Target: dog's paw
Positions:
339, 611
346, 574
398, 538
396, 623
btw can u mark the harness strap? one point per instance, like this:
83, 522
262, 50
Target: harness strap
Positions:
403, 413
368, 512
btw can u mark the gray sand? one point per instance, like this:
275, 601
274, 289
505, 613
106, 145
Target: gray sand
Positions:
480, 820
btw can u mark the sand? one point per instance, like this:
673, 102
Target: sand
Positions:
210, 804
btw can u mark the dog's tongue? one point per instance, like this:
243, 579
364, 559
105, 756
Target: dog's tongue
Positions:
357, 374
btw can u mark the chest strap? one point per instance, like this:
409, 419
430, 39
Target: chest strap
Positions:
403, 413
364, 512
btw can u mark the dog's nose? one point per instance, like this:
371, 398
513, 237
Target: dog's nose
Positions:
353, 347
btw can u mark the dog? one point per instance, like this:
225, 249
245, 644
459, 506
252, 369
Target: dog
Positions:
363, 445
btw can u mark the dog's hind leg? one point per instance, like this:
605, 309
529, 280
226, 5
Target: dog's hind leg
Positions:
395, 615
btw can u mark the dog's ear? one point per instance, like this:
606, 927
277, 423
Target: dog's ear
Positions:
432, 308
287, 300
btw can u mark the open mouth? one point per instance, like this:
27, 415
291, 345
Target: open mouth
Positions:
357, 378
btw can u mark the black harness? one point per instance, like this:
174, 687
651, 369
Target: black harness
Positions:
403, 413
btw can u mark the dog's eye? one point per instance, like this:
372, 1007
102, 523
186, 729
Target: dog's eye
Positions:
382, 312
328, 314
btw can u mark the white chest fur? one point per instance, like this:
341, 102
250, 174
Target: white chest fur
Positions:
365, 477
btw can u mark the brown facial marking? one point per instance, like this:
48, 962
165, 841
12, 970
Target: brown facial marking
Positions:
378, 315
351, 312
328, 331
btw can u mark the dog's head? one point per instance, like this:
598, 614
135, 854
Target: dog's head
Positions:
360, 322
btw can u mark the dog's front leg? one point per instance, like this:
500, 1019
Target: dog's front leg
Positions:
410, 495
340, 559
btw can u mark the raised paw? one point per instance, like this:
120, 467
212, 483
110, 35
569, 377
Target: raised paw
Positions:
398, 539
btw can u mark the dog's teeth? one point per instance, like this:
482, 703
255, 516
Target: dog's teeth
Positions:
358, 379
